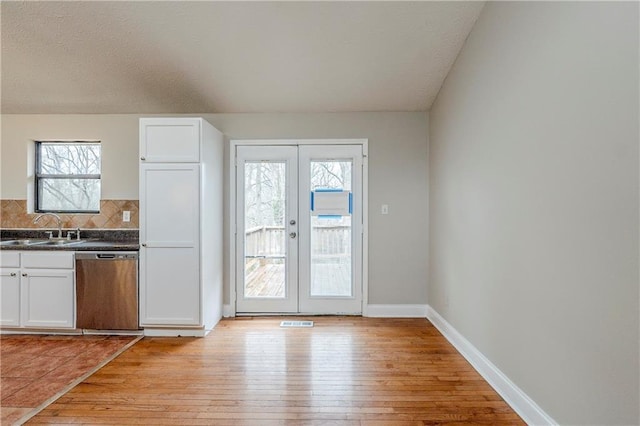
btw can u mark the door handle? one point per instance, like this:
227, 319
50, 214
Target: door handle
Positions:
292, 222
292, 235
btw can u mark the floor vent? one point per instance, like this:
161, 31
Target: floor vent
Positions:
296, 324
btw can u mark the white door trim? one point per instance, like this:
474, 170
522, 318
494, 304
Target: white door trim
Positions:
230, 309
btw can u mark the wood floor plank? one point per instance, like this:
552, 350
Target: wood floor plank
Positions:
345, 370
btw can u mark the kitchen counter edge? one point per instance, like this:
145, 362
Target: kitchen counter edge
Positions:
84, 246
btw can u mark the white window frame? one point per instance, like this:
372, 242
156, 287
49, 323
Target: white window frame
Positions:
32, 185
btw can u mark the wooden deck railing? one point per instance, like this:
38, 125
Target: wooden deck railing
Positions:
264, 241
269, 241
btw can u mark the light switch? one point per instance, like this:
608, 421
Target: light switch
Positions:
126, 216
385, 209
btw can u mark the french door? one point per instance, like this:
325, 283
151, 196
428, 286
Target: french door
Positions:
299, 229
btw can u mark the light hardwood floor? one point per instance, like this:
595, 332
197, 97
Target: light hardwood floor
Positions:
345, 371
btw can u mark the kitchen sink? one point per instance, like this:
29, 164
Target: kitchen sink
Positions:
22, 242
61, 242
53, 242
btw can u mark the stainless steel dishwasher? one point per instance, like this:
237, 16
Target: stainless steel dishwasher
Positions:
107, 290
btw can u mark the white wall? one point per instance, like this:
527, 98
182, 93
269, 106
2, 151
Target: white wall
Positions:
397, 175
118, 133
534, 203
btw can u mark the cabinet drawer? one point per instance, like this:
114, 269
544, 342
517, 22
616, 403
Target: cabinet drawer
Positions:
47, 260
9, 259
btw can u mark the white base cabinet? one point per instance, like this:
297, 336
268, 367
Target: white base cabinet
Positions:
181, 175
47, 298
39, 292
10, 297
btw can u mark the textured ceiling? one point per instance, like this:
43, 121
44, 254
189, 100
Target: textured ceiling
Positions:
196, 57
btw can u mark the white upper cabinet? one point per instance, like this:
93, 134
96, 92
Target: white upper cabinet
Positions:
170, 140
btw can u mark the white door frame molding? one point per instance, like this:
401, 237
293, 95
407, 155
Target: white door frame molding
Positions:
230, 310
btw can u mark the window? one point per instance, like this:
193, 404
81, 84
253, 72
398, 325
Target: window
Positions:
67, 178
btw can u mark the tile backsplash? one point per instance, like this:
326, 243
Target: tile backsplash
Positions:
13, 215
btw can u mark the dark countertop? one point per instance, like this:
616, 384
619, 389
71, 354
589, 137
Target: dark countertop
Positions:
88, 245
94, 240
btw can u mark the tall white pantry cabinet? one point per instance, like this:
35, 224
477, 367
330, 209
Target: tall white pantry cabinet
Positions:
181, 208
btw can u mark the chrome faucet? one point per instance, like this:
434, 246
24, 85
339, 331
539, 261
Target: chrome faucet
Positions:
54, 215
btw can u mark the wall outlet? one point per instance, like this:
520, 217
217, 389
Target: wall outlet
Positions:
385, 209
126, 216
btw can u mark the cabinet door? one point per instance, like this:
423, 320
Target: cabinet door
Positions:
169, 286
170, 244
169, 205
10, 297
47, 298
170, 140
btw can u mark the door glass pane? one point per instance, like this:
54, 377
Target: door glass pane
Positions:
264, 242
331, 234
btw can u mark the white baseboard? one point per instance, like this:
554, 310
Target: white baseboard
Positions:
396, 311
381, 311
228, 311
526, 408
